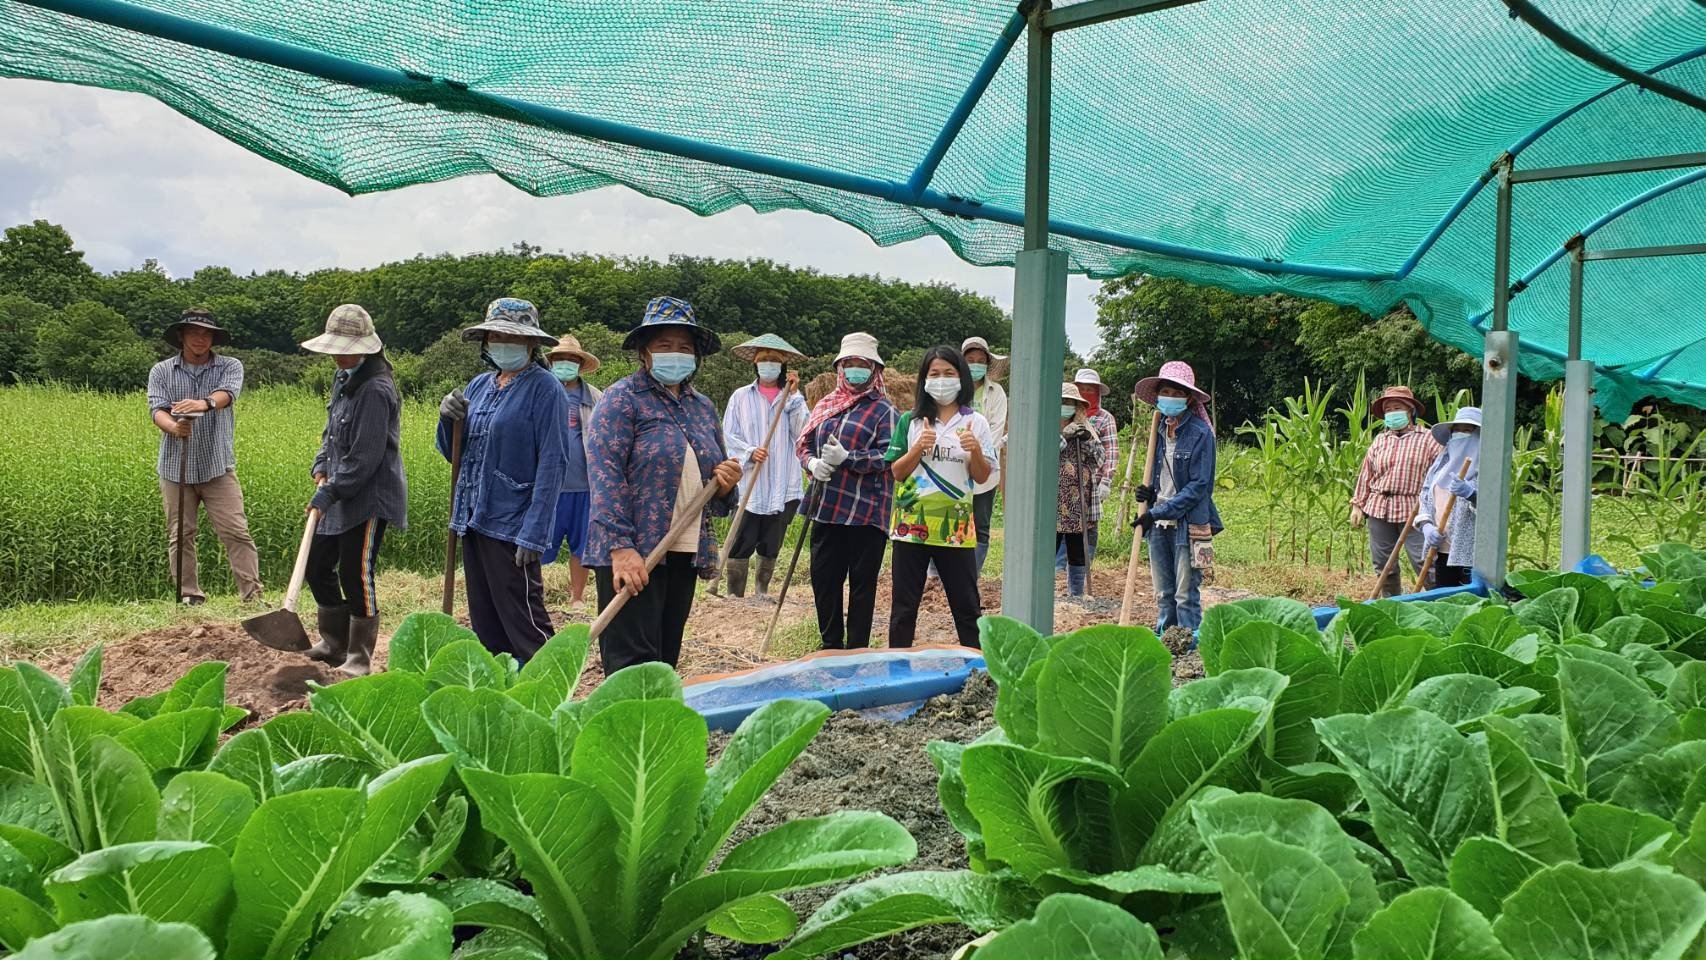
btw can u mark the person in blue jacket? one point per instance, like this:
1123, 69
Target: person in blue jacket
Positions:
1181, 519
505, 500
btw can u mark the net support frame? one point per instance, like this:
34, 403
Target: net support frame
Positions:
1498, 402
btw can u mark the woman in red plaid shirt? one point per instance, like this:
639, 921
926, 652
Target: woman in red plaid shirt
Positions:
1391, 479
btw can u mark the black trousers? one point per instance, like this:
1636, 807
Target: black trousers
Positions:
763, 533
1074, 546
851, 556
506, 603
956, 566
340, 568
649, 626
1449, 576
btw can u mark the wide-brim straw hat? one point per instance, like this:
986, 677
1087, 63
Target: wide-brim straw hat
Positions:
997, 361
1466, 416
349, 331
570, 348
670, 312
1176, 373
748, 351
1069, 391
1086, 375
862, 346
1400, 394
508, 315
174, 334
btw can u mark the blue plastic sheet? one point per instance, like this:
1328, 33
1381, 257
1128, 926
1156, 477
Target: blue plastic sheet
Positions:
892, 681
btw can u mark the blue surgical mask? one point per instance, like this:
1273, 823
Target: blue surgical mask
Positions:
509, 356
1171, 406
670, 369
565, 370
857, 376
1067, 410
978, 370
769, 370
1396, 419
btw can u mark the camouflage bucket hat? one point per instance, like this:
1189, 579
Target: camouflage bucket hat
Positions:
508, 315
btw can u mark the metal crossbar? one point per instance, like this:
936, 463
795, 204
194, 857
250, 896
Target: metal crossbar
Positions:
1634, 165
1092, 12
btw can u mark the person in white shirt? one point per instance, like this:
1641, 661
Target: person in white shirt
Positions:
775, 474
989, 399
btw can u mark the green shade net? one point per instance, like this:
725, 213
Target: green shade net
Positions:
1322, 132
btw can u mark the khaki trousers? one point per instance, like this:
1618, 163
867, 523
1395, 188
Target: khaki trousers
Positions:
222, 497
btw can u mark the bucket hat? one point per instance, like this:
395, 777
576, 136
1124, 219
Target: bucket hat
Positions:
1087, 375
860, 345
518, 318
196, 317
997, 361
1069, 391
1175, 372
570, 348
349, 331
670, 312
1466, 416
1402, 395
748, 351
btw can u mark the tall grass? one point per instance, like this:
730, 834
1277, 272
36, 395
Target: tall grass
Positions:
81, 516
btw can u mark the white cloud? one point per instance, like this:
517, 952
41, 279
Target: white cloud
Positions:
131, 179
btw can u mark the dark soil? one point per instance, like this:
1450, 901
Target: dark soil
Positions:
858, 763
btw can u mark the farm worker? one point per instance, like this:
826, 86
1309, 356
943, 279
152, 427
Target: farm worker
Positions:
989, 399
1460, 439
1081, 455
656, 442
570, 364
1390, 479
776, 479
361, 490
1090, 386
844, 448
1182, 519
190, 395
938, 451
505, 499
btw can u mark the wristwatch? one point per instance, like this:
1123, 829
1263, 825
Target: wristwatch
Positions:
210, 405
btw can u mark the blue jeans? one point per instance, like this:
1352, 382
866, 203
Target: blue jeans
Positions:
1177, 585
1089, 548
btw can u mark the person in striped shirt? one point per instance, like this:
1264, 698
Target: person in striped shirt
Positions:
843, 447
1391, 479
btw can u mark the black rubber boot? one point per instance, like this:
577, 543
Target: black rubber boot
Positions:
736, 571
333, 624
363, 635
766, 567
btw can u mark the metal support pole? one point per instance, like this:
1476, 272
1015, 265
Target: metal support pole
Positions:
1578, 430
1498, 407
1039, 352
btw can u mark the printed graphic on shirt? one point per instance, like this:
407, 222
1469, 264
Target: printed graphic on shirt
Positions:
934, 505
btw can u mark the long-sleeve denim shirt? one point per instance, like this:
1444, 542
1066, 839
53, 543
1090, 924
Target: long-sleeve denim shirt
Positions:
636, 446
512, 458
1193, 474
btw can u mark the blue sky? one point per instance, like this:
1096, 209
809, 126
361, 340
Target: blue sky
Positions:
131, 179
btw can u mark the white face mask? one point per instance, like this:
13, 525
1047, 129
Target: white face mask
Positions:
942, 389
769, 370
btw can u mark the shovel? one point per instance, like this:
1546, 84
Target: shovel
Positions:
282, 629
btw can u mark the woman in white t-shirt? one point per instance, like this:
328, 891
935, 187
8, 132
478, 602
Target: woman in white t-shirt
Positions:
940, 451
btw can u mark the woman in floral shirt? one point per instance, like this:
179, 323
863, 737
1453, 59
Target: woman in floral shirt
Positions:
1080, 465
655, 443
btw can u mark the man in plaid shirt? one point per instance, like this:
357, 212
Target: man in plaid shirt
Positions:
1390, 481
843, 447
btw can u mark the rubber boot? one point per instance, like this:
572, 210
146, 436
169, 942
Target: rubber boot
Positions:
363, 635
766, 568
333, 623
736, 571
1075, 580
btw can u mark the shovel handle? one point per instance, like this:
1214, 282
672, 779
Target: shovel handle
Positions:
688, 518
1128, 604
299, 572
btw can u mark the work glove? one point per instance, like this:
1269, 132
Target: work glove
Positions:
820, 469
1142, 524
1103, 490
1431, 538
832, 452
1464, 489
454, 406
525, 557
1144, 494
1078, 431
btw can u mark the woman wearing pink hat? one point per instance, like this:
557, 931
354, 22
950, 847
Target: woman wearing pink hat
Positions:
1181, 497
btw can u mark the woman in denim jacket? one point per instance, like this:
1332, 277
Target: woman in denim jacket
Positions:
655, 442
512, 470
1181, 495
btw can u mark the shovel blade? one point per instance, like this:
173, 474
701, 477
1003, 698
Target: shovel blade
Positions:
279, 629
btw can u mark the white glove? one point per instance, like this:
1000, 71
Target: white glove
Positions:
820, 469
1103, 489
832, 452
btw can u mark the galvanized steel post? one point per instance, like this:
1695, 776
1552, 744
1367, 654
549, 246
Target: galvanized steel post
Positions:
1498, 406
1039, 353
1578, 429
